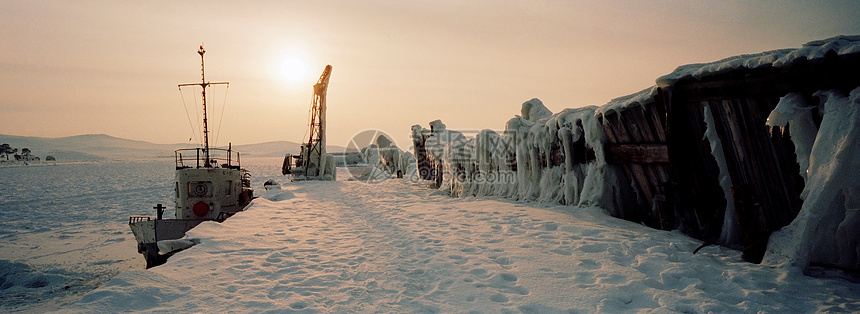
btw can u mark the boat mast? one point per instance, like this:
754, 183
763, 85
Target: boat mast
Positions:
203, 84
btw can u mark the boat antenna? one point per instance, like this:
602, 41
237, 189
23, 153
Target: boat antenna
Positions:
204, 84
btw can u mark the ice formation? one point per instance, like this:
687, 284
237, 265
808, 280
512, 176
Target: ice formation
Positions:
389, 159
792, 108
827, 228
524, 162
730, 233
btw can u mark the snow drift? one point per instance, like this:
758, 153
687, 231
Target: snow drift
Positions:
345, 247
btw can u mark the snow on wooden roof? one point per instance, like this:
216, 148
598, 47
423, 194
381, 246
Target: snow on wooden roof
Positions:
782, 58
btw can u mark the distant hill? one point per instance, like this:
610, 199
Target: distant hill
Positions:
105, 147
88, 147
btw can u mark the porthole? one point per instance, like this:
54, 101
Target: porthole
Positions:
201, 189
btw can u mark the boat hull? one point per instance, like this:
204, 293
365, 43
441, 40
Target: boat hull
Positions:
148, 232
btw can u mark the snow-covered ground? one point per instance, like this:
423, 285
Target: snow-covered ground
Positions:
398, 246
351, 247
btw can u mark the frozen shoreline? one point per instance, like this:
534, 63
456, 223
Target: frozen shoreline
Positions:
65, 230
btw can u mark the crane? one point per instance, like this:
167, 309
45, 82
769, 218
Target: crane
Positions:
313, 162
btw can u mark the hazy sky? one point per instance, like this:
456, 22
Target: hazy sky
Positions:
78, 67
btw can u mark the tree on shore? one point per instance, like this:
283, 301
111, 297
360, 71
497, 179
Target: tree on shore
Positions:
5, 149
25, 154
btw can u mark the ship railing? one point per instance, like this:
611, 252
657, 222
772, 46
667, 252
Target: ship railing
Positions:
136, 219
218, 158
246, 178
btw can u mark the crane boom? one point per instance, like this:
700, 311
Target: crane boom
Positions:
313, 162
316, 142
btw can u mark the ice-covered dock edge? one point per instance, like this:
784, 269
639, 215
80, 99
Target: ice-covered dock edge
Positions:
758, 152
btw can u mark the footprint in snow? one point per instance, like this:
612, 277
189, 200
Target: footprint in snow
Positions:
594, 248
469, 250
480, 273
567, 251
508, 277
298, 305
459, 260
585, 277
498, 297
588, 264
611, 279
550, 226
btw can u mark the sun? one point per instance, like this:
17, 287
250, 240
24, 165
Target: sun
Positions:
293, 69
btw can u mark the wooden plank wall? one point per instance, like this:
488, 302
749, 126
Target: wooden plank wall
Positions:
636, 141
766, 184
762, 165
661, 149
701, 201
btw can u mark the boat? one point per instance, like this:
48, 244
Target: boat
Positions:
210, 185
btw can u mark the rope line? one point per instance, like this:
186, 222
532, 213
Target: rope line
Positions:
199, 125
221, 118
212, 112
187, 115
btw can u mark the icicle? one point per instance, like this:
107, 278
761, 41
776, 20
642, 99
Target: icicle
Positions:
793, 111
